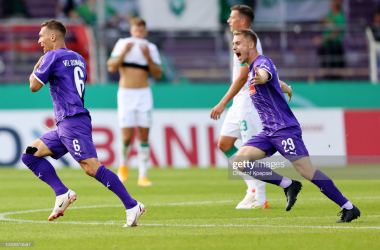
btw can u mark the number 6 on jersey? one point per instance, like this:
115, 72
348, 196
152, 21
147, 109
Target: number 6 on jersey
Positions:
80, 84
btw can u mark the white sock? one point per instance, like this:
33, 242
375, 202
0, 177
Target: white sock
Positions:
260, 194
285, 182
348, 205
251, 185
143, 157
124, 151
249, 180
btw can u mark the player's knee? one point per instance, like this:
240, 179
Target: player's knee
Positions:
87, 169
305, 173
90, 171
90, 167
25, 158
127, 140
305, 170
223, 146
143, 134
31, 150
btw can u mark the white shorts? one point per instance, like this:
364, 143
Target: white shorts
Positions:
134, 107
241, 125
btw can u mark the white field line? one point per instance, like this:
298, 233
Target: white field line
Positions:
232, 201
119, 223
9, 220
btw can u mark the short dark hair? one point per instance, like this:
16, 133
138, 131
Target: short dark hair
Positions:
246, 11
138, 21
247, 33
55, 25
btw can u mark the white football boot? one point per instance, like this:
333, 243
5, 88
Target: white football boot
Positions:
61, 203
258, 205
134, 214
246, 203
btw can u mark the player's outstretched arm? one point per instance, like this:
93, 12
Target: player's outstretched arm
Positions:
286, 89
35, 85
234, 89
154, 69
261, 76
113, 64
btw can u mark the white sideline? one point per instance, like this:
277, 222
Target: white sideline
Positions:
9, 220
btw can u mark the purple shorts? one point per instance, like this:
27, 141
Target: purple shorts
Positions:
73, 135
287, 141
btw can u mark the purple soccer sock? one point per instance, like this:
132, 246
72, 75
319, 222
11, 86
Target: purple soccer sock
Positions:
263, 173
327, 187
112, 182
45, 171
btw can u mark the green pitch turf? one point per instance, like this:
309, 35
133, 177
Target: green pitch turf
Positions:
186, 209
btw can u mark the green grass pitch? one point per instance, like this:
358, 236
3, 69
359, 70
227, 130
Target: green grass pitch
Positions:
186, 209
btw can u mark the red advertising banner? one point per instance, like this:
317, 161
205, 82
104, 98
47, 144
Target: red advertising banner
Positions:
362, 136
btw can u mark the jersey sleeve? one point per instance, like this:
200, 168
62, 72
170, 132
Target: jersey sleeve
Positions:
267, 66
154, 54
118, 49
42, 74
259, 47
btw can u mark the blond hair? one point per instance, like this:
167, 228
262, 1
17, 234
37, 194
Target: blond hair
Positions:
247, 33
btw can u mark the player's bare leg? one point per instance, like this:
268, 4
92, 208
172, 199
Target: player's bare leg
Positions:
90, 166
292, 187
42, 149
127, 136
304, 167
143, 156
134, 209
33, 158
249, 153
227, 145
226, 142
327, 187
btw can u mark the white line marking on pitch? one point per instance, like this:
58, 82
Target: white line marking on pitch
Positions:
186, 225
9, 220
271, 226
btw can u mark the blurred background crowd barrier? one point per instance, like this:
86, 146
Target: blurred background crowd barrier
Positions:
307, 40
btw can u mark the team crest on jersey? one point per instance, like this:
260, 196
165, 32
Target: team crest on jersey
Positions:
252, 90
177, 6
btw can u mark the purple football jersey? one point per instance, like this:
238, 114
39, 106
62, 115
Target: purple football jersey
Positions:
66, 72
269, 100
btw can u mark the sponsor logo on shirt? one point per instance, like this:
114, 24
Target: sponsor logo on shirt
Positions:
252, 90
